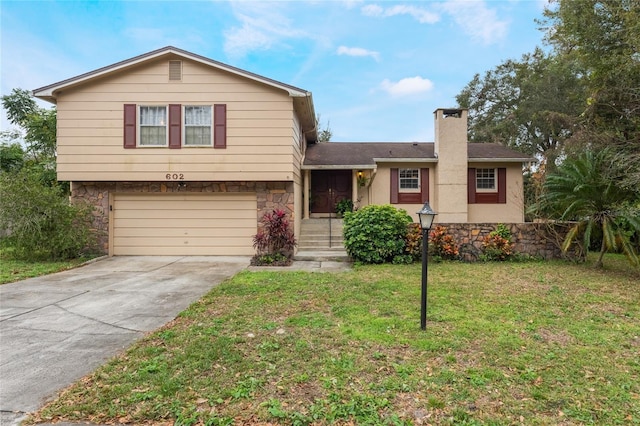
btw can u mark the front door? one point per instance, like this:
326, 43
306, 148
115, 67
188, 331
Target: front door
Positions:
328, 187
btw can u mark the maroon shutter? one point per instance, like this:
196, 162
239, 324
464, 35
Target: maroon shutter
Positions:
220, 126
175, 126
471, 186
424, 184
394, 186
502, 185
130, 125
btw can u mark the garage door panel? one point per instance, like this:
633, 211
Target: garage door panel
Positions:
196, 204
184, 224
182, 242
214, 231
186, 251
186, 196
185, 214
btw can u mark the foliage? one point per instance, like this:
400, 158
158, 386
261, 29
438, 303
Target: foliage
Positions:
37, 131
443, 245
38, 124
583, 190
275, 240
603, 38
375, 233
11, 157
530, 105
324, 133
413, 241
343, 206
38, 220
299, 348
497, 245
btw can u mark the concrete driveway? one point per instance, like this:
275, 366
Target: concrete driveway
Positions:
57, 328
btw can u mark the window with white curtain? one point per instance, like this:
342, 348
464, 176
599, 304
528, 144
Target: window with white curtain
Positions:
409, 180
153, 126
197, 125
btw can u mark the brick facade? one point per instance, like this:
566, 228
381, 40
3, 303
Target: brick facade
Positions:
270, 196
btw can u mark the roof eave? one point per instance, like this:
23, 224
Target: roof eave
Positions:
338, 166
501, 160
48, 93
405, 160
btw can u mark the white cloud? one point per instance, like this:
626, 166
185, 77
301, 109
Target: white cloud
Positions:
421, 15
262, 26
477, 20
407, 86
357, 51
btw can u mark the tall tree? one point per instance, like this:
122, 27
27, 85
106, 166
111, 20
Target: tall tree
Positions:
603, 37
529, 104
37, 124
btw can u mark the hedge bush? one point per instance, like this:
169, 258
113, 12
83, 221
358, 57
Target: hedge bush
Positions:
39, 223
376, 233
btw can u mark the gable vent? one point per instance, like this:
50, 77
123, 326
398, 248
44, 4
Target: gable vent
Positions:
175, 70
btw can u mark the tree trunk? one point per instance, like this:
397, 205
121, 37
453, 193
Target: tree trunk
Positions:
603, 249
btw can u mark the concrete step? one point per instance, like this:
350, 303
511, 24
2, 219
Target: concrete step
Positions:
322, 255
315, 235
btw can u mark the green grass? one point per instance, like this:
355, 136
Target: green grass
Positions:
506, 343
15, 270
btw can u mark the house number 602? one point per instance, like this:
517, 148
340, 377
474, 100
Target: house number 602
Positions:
175, 176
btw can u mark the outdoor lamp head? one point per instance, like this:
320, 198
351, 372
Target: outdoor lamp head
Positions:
426, 215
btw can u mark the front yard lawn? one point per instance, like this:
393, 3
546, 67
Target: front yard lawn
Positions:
506, 343
15, 270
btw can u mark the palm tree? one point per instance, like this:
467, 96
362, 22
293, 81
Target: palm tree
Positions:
583, 190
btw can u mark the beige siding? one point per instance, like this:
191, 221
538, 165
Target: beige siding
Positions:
262, 132
183, 224
513, 210
381, 186
297, 175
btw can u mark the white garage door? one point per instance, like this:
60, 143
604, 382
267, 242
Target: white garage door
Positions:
184, 224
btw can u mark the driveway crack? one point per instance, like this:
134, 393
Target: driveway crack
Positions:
97, 320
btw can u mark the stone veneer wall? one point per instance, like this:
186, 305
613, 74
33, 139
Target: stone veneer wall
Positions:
535, 239
270, 195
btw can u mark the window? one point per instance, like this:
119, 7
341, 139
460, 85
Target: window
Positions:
153, 126
164, 126
486, 180
197, 125
487, 186
409, 186
409, 180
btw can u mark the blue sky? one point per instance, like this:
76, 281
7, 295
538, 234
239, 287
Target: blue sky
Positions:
377, 70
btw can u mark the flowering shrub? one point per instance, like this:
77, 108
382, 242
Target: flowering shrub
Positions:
497, 245
443, 246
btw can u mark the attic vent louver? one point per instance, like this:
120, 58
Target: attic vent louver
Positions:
175, 70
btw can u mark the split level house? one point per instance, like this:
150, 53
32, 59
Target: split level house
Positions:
182, 155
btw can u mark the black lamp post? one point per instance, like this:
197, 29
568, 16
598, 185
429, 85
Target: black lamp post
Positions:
426, 216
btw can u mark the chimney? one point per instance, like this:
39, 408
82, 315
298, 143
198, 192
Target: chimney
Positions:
451, 172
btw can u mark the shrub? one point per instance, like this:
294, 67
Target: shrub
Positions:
443, 246
274, 241
345, 205
413, 241
376, 233
39, 222
497, 245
